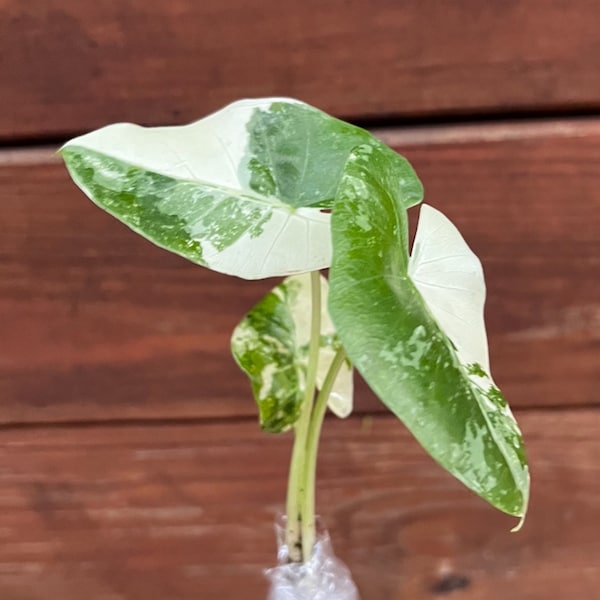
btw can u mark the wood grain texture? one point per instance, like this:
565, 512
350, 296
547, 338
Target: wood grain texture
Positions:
98, 324
68, 65
155, 512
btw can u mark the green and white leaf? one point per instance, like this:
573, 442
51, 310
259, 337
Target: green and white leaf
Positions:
271, 346
241, 191
414, 329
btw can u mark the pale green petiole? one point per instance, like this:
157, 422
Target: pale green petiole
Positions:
301, 527
312, 448
296, 485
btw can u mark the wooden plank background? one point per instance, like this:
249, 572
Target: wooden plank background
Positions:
68, 65
102, 325
182, 512
131, 465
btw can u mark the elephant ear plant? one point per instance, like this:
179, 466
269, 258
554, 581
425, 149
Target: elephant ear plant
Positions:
276, 188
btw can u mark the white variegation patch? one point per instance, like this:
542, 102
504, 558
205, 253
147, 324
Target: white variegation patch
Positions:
450, 278
292, 239
210, 150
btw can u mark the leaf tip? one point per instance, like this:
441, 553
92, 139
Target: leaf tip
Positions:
523, 514
519, 525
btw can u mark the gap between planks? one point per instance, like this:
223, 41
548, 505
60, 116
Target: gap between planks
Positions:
412, 135
240, 420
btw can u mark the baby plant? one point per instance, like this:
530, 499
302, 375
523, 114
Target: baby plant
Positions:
276, 188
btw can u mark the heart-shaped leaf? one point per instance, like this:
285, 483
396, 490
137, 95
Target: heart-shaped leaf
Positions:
415, 330
243, 191
271, 346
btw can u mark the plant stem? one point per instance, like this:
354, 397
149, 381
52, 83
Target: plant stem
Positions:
296, 486
312, 448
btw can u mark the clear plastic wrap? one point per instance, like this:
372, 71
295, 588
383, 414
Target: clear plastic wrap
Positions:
324, 577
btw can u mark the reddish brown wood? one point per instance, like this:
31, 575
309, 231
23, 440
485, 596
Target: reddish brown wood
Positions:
186, 512
71, 65
99, 324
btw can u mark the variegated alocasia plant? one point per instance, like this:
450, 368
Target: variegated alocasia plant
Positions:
274, 187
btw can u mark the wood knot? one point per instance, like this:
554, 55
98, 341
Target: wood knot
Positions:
449, 583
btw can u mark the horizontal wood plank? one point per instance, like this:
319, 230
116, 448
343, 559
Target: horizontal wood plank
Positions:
69, 66
186, 511
98, 324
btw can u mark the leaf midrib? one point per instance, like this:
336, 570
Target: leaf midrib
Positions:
247, 194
